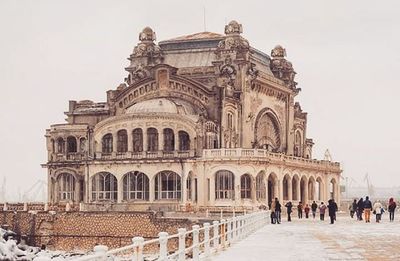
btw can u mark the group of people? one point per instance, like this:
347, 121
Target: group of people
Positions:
276, 209
365, 206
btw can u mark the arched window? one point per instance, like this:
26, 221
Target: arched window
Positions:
152, 139
169, 140
230, 121
267, 132
71, 144
224, 185
107, 143
135, 186
184, 140
137, 139
260, 187
104, 187
245, 186
167, 185
122, 141
82, 144
60, 145
66, 186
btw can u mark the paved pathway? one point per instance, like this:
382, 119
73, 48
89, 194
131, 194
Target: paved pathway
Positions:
315, 240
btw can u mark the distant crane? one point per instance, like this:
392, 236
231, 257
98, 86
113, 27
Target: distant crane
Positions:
37, 189
370, 187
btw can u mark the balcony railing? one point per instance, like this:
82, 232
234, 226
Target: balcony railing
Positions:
263, 154
145, 155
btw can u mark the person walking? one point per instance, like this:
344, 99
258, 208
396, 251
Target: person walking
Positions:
378, 211
289, 207
307, 210
300, 210
272, 209
322, 209
314, 207
391, 208
360, 209
278, 209
353, 208
367, 209
332, 208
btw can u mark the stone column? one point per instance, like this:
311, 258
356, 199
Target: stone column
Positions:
77, 191
298, 190
152, 193
176, 140
266, 191
184, 188
130, 141
290, 190
306, 192
253, 191
160, 140
115, 142
212, 191
120, 192
144, 139
279, 187
237, 189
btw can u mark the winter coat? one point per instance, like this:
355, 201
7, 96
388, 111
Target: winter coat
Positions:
314, 207
300, 207
273, 204
367, 204
332, 208
278, 206
354, 206
289, 207
378, 208
360, 205
392, 206
322, 209
307, 209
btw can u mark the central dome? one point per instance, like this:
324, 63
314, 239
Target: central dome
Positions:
163, 105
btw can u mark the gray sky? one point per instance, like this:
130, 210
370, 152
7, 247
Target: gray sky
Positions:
346, 54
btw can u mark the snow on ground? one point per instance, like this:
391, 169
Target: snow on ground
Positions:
309, 239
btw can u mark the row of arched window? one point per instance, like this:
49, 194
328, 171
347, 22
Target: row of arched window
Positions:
152, 141
69, 145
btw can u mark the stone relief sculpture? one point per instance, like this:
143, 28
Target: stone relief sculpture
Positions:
282, 68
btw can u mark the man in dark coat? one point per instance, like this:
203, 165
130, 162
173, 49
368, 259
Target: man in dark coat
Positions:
278, 210
360, 209
367, 209
289, 206
314, 207
332, 208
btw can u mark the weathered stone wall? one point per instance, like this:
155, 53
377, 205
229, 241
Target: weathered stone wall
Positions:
83, 230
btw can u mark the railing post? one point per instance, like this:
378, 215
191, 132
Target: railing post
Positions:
207, 239
138, 248
101, 252
196, 248
163, 239
216, 238
182, 243
229, 230
223, 233
234, 229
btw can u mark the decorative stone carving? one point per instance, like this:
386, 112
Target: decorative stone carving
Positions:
147, 48
251, 75
282, 68
233, 41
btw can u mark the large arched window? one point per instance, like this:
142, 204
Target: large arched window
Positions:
169, 140
122, 141
260, 187
267, 132
135, 186
66, 186
60, 145
152, 139
184, 140
107, 143
224, 185
104, 187
245, 186
71, 145
167, 185
137, 139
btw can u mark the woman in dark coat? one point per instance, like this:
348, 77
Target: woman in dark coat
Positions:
332, 208
289, 206
360, 209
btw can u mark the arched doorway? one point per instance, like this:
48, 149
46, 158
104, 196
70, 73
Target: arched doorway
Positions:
286, 187
295, 188
311, 188
272, 187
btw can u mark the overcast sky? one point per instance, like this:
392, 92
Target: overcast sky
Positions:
346, 54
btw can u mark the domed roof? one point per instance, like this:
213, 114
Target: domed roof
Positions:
163, 105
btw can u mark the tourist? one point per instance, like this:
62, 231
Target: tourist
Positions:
322, 209
378, 210
272, 209
367, 209
307, 210
300, 210
391, 209
332, 208
278, 209
314, 207
360, 209
289, 206
353, 208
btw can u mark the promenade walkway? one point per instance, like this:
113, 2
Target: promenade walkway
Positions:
309, 239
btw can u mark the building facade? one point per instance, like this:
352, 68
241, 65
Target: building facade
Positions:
204, 119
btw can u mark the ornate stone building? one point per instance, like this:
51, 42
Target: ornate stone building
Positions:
204, 119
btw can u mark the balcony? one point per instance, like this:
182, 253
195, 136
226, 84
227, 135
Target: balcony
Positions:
259, 154
61, 157
145, 155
